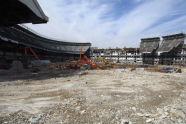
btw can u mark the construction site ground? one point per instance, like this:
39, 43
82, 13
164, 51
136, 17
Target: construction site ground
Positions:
119, 96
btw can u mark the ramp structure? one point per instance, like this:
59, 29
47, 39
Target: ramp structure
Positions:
148, 47
169, 49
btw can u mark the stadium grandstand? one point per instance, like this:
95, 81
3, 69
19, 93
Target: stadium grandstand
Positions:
148, 49
16, 39
171, 50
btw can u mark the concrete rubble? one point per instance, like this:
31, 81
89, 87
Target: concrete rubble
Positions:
118, 96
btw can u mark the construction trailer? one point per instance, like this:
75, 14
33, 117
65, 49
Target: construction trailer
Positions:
148, 47
170, 48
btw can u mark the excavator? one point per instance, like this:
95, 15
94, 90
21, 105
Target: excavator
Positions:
105, 63
27, 49
93, 64
82, 60
100, 59
85, 60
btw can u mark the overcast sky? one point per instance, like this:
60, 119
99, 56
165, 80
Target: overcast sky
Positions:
111, 23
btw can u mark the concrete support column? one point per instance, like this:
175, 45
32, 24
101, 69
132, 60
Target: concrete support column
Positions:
118, 56
135, 56
126, 56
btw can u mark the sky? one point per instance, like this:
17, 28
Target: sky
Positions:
111, 23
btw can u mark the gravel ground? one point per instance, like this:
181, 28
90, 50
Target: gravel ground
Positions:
93, 96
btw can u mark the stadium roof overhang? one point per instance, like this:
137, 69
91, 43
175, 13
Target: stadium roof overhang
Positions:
21, 11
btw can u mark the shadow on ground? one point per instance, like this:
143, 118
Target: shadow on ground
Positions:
9, 76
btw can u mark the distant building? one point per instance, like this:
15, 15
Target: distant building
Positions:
148, 47
170, 48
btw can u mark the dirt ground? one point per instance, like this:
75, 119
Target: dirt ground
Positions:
118, 96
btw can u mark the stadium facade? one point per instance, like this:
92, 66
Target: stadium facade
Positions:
167, 52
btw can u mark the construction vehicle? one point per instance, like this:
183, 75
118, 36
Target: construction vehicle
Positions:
94, 64
85, 60
27, 49
100, 59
